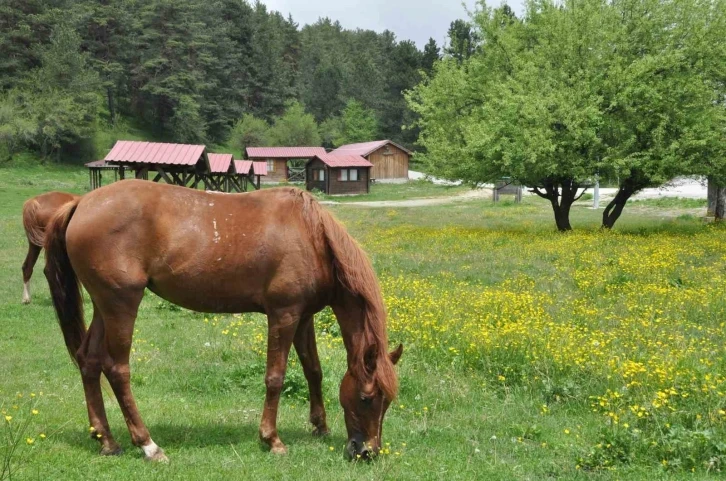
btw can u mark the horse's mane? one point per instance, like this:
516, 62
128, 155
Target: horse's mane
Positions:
354, 272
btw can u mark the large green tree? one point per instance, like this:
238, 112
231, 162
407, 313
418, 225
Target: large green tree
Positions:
660, 99
358, 124
62, 100
570, 91
294, 128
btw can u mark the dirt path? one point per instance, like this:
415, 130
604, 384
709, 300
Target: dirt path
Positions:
423, 202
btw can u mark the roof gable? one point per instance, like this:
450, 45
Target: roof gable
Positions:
220, 163
366, 148
244, 166
334, 160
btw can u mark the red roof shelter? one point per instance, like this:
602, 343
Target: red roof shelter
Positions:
248, 170
180, 164
223, 174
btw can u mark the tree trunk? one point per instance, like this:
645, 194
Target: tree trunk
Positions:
720, 207
712, 191
562, 218
111, 107
561, 194
613, 210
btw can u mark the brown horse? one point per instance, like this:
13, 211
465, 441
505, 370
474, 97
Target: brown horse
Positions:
275, 251
37, 212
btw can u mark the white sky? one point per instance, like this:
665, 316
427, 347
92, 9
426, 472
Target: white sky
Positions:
415, 20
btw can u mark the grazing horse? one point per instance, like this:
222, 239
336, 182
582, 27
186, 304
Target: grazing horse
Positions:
37, 212
274, 251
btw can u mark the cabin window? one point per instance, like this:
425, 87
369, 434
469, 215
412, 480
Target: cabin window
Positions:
319, 175
270, 165
348, 175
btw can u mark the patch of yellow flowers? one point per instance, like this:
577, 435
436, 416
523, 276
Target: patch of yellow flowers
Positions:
638, 320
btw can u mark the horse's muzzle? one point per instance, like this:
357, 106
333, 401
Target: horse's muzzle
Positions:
357, 449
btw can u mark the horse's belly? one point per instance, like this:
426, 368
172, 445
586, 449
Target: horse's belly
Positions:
211, 292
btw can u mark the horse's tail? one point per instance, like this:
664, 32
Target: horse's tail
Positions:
33, 229
354, 272
64, 286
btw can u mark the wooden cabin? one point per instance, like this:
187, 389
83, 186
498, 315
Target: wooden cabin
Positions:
390, 160
338, 174
278, 160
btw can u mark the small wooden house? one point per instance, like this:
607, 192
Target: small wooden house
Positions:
390, 160
338, 174
278, 159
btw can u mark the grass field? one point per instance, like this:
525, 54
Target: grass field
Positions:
529, 355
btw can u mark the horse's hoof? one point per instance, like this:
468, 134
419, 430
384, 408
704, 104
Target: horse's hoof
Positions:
321, 431
157, 457
154, 453
26, 301
112, 451
279, 449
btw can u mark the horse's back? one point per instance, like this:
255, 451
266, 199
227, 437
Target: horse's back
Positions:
206, 251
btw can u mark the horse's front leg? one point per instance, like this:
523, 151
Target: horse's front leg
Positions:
307, 351
280, 333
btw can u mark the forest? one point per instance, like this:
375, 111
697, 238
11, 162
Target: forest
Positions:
222, 72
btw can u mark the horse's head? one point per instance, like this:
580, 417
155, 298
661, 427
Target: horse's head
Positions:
364, 405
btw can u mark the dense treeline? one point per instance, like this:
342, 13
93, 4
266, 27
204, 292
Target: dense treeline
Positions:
192, 71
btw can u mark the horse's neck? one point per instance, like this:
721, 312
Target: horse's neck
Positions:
351, 319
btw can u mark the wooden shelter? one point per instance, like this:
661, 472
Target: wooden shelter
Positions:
179, 164
390, 160
278, 161
98, 167
223, 174
250, 172
507, 187
338, 174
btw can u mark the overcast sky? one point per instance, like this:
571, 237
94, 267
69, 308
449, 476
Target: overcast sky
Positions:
415, 20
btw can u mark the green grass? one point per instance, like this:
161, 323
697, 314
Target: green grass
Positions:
201, 391
671, 202
414, 189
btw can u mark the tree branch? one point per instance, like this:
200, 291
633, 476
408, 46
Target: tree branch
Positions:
536, 190
578, 197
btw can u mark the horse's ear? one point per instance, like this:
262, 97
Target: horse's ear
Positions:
395, 355
370, 358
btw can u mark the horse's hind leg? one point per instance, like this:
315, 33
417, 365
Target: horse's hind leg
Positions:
90, 357
280, 332
30, 259
307, 351
119, 311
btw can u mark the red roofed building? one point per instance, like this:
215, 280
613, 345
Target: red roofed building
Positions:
390, 160
277, 158
248, 170
338, 174
180, 164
